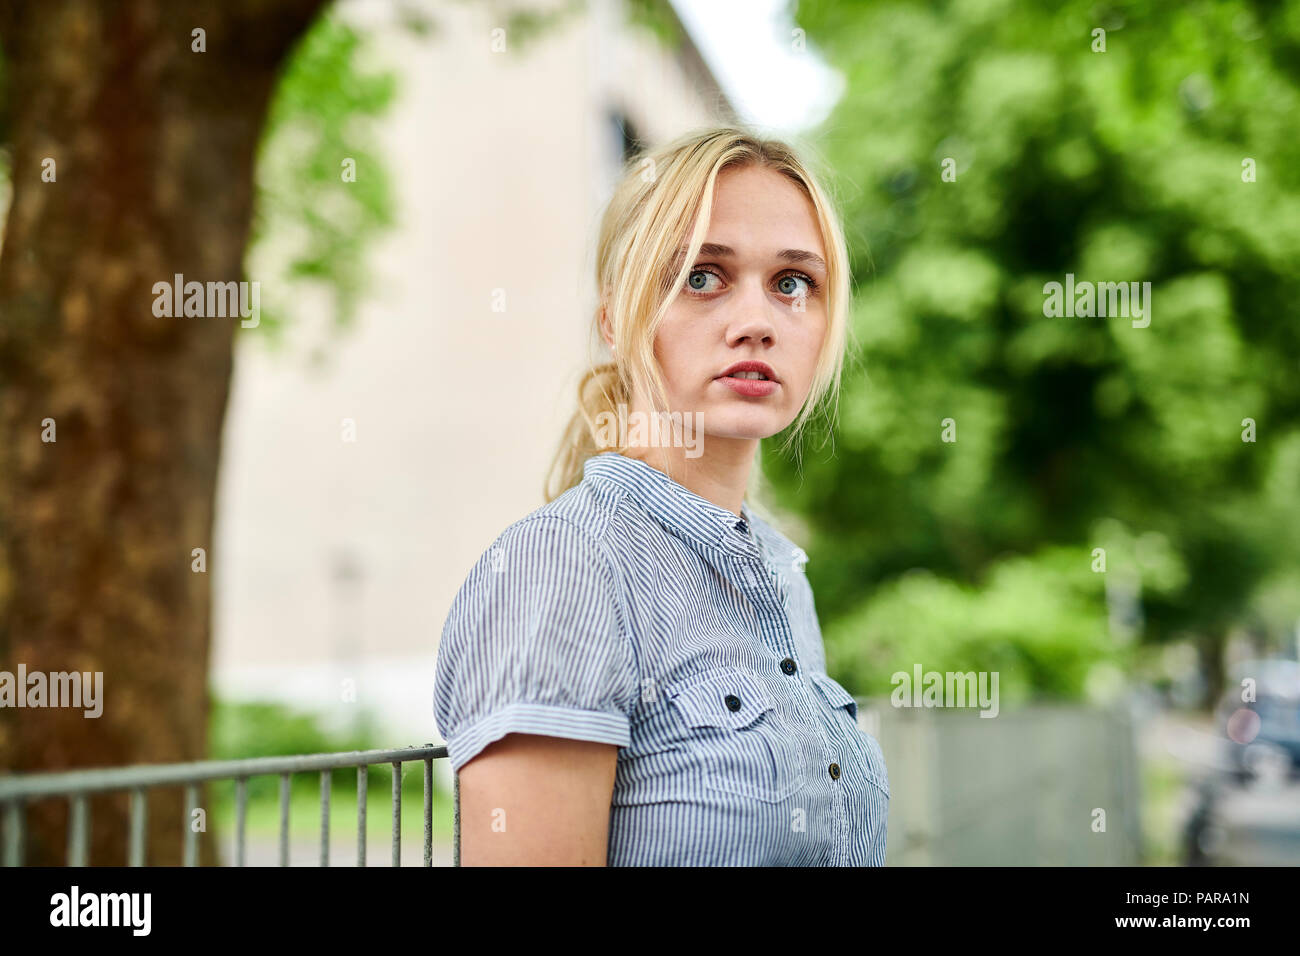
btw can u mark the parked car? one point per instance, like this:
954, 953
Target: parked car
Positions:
1275, 742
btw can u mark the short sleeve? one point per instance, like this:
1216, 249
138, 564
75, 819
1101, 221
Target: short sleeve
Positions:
535, 643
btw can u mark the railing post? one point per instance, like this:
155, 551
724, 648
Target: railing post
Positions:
325, 818
284, 819
241, 815
78, 831
363, 777
139, 825
191, 835
397, 813
428, 812
14, 833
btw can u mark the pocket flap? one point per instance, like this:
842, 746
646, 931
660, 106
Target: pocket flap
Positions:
837, 695
729, 698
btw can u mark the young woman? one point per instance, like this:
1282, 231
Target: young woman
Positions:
634, 674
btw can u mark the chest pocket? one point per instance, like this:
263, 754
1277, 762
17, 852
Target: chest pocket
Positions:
743, 742
841, 699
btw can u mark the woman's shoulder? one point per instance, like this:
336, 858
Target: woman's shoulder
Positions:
572, 531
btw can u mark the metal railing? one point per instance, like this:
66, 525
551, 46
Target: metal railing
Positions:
16, 790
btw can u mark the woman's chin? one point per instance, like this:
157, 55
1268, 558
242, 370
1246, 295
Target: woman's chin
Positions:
752, 427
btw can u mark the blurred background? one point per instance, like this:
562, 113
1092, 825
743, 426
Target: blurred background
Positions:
255, 529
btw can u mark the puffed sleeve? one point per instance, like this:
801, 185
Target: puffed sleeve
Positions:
535, 643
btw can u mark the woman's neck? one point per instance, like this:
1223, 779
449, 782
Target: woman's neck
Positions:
721, 476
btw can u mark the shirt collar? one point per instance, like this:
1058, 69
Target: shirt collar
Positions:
676, 507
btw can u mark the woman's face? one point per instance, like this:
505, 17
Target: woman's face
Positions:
756, 293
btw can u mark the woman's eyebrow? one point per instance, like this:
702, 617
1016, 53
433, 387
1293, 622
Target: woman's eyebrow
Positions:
789, 255
801, 255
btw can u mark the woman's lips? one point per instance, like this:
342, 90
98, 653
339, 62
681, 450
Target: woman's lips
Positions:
752, 387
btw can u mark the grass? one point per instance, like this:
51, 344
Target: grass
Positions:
263, 813
241, 730
1163, 785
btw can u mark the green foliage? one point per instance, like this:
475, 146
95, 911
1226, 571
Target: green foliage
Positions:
1039, 622
245, 730
1123, 165
263, 729
657, 17
526, 26
311, 228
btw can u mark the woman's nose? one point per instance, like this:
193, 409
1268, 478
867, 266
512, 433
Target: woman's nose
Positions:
753, 315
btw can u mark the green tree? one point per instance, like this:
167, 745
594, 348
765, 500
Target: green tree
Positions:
1130, 164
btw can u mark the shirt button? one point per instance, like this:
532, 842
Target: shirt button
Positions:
788, 666
835, 771
732, 702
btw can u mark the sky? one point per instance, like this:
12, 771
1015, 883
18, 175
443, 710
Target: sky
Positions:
750, 47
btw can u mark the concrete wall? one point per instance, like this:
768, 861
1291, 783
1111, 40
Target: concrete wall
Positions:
336, 560
1019, 789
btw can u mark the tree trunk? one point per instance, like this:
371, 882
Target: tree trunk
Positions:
1210, 646
153, 150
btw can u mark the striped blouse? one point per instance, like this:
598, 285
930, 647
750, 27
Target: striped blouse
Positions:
634, 612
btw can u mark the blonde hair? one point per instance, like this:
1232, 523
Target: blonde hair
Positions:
663, 202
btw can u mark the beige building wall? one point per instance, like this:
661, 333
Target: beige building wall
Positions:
336, 561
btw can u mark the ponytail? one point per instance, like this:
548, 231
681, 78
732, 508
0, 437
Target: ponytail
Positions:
602, 389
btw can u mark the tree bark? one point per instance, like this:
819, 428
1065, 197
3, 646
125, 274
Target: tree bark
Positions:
1211, 647
153, 145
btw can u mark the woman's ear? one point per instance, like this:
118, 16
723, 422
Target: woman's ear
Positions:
606, 328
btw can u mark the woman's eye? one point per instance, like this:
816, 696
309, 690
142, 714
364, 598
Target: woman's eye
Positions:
698, 280
793, 285
789, 285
